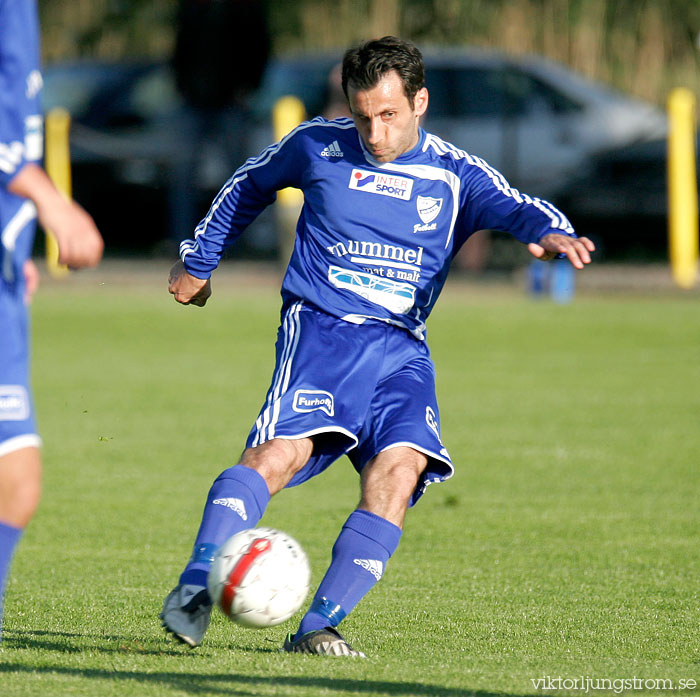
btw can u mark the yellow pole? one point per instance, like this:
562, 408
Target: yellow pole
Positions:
287, 114
57, 162
682, 188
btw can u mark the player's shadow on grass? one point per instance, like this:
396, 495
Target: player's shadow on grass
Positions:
233, 684
62, 643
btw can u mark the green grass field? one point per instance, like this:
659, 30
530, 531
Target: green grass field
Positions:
565, 546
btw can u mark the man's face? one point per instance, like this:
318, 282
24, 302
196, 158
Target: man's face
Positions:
386, 120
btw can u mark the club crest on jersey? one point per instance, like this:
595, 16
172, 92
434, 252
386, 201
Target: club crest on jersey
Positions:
383, 184
14, 403
428, 208
311, 400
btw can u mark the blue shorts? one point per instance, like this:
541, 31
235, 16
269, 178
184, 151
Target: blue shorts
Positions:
359, 388
17, 426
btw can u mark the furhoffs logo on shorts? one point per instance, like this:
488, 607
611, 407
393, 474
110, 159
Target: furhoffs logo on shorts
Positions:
311, 400
14, 403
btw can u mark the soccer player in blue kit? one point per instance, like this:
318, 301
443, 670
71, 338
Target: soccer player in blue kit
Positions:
386, 208
26, 193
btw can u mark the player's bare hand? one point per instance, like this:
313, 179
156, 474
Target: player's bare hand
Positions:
79, 241
577, 249
80, 244
188, 289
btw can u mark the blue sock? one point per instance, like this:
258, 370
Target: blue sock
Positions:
236, 501
9, 537
359, 558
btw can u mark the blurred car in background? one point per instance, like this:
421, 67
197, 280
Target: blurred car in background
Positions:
535, 121
124, 143
619, 199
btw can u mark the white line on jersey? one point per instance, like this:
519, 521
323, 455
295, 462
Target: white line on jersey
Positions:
559, 220
252, 163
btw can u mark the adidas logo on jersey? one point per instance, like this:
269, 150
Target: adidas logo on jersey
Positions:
374, 566
332, 150
236, 505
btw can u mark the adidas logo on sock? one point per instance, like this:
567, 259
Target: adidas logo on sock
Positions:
332, 150
374, 566
236, 505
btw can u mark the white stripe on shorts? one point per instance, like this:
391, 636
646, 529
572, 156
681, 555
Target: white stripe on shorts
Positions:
267, 420
30, 440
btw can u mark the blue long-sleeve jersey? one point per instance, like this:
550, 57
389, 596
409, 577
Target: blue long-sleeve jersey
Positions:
374, 240
21, 129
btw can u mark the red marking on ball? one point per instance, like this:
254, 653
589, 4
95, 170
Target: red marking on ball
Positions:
257, 547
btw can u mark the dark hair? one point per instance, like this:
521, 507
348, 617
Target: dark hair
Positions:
366, 64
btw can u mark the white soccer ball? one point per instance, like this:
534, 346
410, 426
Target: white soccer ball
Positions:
260, 577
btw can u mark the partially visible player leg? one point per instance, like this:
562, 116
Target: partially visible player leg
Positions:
239, 496
236, 502
20, 487
366, 542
